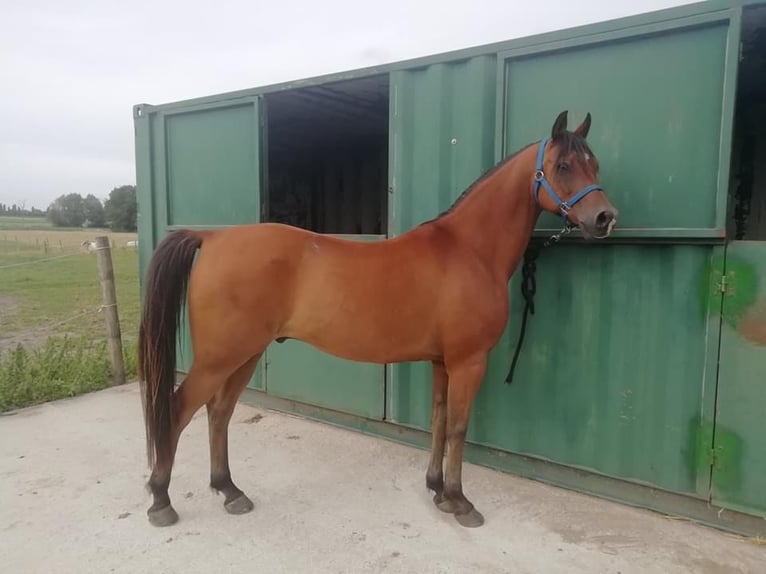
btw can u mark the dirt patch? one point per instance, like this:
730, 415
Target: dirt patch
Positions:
8, 306
254, 419
29, 338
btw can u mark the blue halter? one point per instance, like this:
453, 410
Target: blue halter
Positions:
564, 206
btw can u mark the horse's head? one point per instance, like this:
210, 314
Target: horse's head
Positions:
568, 171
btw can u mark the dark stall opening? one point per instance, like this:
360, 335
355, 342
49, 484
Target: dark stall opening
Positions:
327, 151
747, 196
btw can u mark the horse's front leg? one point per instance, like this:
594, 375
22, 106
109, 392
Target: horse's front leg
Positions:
435, 474
464, 380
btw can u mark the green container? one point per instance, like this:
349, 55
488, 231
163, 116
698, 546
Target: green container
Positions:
642, 367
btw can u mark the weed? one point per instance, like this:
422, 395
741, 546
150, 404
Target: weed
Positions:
63, 367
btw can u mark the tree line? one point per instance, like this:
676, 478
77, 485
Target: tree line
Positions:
118, 212
15, 210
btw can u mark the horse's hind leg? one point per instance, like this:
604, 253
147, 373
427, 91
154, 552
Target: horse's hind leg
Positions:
435, 473
196, 389
219, 411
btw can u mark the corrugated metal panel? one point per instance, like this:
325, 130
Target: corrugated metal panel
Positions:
443, 127
611, 374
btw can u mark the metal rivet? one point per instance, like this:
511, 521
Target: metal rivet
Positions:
454, 141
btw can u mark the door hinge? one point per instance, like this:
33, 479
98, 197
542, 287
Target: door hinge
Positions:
726, 283
723, 283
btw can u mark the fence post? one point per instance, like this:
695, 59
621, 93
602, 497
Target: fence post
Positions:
109, 308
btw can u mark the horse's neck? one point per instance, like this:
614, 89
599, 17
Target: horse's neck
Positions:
497, 218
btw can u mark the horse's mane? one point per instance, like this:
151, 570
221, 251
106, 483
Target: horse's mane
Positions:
566, 142
487, 174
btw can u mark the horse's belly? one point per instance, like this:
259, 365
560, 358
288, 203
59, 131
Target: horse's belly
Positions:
355, 345
361, 329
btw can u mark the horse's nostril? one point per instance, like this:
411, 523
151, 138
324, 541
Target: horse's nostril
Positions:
603, 219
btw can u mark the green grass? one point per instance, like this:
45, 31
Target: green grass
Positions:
53, 292
51, 307
9, 223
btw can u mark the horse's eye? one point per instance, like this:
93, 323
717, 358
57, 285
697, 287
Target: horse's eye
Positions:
563, 166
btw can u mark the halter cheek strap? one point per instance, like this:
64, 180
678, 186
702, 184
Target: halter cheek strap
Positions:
540, 179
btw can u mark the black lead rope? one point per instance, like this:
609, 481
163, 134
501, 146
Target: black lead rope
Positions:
528, 289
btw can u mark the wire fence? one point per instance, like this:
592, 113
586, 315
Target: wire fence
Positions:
38, 260
22, 242
56, 299
90, 311
33, 249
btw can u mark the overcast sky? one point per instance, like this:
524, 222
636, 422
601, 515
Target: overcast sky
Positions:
71, 71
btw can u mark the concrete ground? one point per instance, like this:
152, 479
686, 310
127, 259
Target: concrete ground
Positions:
72, 499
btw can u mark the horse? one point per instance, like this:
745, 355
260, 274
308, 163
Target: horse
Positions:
437, 293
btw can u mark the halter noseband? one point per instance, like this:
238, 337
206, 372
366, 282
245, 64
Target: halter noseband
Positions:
564, 206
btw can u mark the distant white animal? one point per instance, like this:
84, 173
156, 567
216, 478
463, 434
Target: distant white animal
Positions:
88, 246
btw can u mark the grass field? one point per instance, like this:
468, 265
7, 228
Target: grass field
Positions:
52, 335
8, 223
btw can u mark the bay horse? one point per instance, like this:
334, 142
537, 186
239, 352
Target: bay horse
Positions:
437, 293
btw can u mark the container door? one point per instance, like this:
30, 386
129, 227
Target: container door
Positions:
199, 166
739, 456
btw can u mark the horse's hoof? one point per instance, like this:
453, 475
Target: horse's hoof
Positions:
444, 504
471, 519
163, 517
240, 505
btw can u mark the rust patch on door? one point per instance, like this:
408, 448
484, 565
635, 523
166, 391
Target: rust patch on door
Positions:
752, 325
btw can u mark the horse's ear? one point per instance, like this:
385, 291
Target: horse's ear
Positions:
583, 129
560, 125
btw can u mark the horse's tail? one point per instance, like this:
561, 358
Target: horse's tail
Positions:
165, 292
